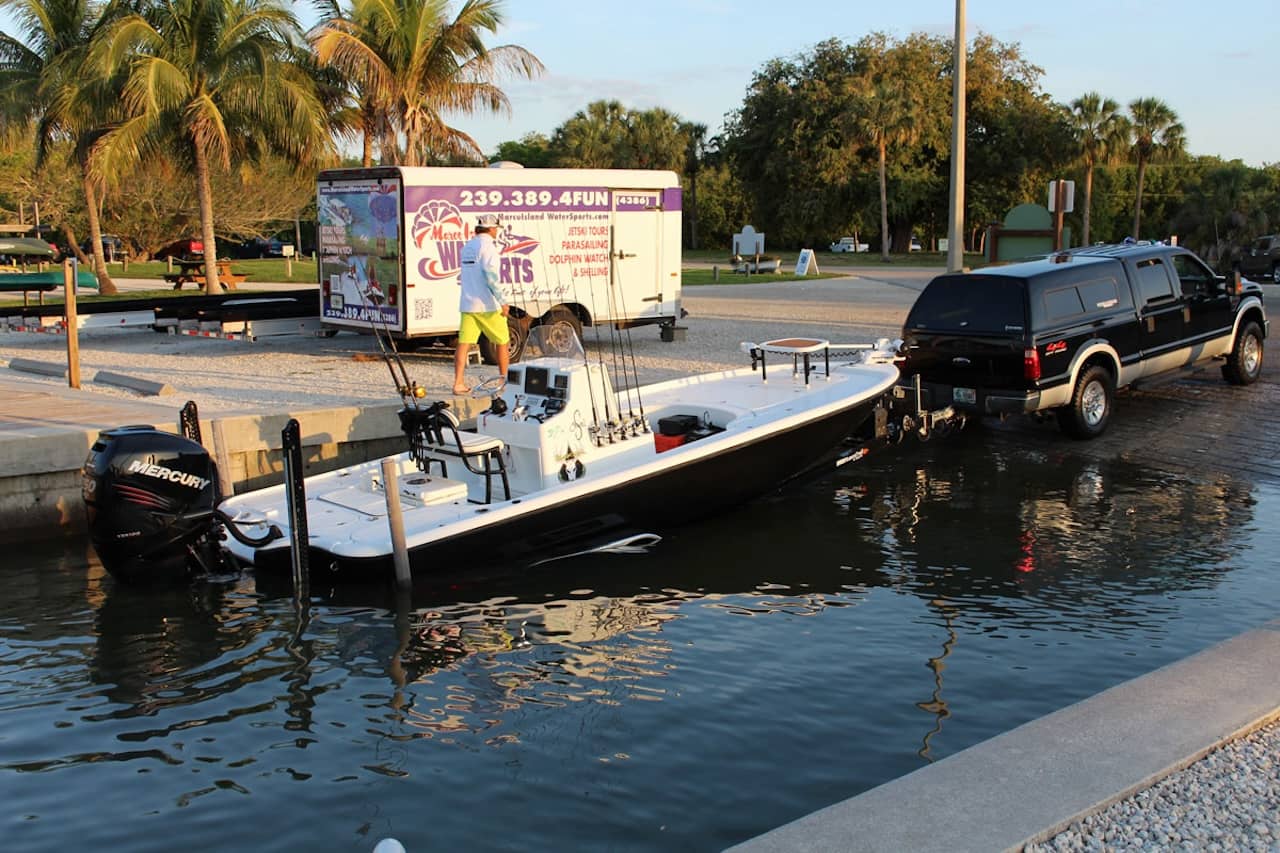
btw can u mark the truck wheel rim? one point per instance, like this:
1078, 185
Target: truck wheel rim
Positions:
1251, 356
1093, 403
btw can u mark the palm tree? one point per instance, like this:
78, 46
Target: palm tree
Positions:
410, 65
1101, 130
594, 138
695, 135
210, 82
44, 84
1156, 133
884, 114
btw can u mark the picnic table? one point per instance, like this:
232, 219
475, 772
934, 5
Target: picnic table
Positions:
193, 271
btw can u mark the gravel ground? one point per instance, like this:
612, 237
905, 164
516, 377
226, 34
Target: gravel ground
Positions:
1228, 800
297, 371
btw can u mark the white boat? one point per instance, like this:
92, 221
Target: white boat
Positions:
561, 461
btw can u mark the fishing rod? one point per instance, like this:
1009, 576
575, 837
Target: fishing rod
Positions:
586, 360
409, 390
608, 424
616, 279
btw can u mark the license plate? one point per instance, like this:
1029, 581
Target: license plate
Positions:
964, 395
335, 301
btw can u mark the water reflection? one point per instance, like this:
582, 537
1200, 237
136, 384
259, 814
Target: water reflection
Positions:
857, 625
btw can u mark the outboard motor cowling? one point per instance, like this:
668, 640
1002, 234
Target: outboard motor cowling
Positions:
150, 498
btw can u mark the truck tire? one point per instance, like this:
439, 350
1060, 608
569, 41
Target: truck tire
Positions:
518, 330
1244, 363
1089, 411
560, 321
1275, 273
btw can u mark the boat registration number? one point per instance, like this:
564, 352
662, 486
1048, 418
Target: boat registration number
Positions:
964, 395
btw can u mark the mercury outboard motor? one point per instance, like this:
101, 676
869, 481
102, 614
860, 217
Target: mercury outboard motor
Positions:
151, 498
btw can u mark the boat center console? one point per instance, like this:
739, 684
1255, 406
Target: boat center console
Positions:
547, 416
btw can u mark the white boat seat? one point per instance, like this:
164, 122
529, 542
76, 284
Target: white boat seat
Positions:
468, 444
434, 434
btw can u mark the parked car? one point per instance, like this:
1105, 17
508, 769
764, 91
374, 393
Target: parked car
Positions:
915, 245
848, 244
1262, 258
262, 248
187, 247
1062, 334
113, 247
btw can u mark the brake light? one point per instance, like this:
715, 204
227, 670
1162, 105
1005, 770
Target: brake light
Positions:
1031, 363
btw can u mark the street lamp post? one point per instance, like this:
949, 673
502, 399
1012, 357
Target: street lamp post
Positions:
955, 226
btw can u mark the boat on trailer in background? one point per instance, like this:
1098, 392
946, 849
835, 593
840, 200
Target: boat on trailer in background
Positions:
560, 462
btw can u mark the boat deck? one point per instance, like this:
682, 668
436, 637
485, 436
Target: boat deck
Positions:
557, 455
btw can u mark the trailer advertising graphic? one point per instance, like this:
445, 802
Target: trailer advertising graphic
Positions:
359, 246
554, 240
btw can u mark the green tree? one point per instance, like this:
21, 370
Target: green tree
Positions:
593, 138
1157, 134
885, 113
1100, 131
786, 145
695, 136
210, 83
532, 150
410, 66
46, 84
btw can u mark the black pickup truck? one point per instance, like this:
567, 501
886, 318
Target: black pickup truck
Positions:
1064, 332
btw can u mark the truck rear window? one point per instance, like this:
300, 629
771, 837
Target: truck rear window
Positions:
971, 303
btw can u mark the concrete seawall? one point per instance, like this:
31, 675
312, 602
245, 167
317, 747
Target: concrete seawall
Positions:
46, 433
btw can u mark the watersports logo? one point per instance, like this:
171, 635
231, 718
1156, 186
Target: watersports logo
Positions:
160, 472
440, 230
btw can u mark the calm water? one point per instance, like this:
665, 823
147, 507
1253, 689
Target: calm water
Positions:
748, 671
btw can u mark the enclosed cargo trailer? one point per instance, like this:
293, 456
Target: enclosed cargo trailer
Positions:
583, 247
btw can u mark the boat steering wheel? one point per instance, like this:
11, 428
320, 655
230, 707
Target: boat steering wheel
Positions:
491, 387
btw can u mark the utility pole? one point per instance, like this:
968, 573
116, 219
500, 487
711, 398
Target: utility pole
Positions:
955, 226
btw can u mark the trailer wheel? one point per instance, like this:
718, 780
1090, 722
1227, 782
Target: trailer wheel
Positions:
518, 330
560, 321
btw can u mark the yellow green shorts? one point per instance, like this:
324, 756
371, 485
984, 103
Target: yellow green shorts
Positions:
492, 323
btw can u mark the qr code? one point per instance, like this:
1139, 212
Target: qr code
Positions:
422, 309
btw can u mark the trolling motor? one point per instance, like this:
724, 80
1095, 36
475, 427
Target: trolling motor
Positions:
152, 503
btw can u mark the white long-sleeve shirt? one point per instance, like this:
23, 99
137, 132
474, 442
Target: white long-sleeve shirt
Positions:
480, 261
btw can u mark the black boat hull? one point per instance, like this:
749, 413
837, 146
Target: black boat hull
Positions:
658, 502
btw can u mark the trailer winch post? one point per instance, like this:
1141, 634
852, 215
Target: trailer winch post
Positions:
296, 497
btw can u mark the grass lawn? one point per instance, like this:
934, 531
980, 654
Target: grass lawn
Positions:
267, 269
841, 260
728, 276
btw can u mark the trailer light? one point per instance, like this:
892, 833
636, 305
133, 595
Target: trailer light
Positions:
1031, 363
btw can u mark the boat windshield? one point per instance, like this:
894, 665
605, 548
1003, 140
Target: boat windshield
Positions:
556, 340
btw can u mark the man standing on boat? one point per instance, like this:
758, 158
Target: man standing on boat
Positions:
482, 305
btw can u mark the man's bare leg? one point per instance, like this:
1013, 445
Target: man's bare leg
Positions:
459, 364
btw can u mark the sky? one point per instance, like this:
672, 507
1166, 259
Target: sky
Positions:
1213, 63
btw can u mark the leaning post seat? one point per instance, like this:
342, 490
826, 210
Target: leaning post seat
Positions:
434, 435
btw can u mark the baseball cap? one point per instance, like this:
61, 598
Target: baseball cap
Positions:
488, 220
